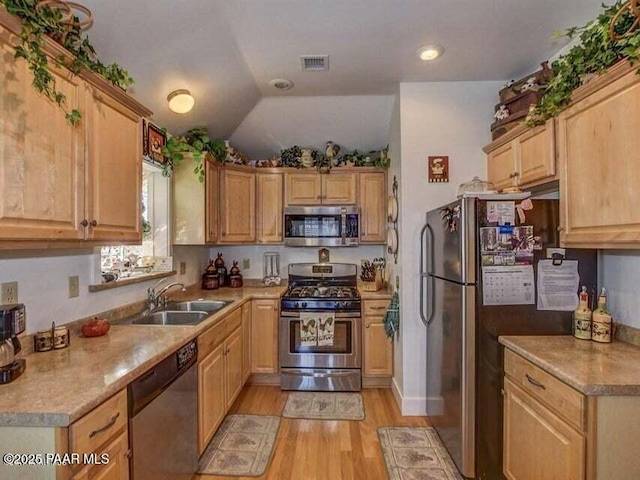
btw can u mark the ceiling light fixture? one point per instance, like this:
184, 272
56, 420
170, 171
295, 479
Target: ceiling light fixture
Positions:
430, 52
281, 83
181, 101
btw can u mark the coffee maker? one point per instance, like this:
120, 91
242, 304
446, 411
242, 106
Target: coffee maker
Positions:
12, 324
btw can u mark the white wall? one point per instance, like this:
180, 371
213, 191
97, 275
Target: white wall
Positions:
451, 119
292, 255
355, 122
43, 284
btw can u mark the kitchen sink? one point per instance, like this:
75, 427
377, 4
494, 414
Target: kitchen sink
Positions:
200, 305
169, 317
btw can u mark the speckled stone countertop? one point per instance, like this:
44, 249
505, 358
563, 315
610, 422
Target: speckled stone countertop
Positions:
589, 367
59, 387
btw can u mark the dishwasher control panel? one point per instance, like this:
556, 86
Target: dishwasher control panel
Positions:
187, 354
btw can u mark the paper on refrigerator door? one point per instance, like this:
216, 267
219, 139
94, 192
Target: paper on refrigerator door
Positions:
558, 285
508, 285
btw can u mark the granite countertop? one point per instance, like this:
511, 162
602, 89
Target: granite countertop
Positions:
59, 387
589, 367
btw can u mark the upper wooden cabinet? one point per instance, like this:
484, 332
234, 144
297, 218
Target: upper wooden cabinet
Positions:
600, 173
373, 207
60, 182
237, 206
524, 156
321, 189
269, 207
212, 186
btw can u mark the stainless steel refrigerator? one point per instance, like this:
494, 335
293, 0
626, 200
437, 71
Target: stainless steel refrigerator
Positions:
464, 362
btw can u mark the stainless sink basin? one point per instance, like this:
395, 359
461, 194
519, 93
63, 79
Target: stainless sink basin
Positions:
170, 317
200, 305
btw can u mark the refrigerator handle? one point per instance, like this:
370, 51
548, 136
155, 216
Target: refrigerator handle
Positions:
430, 281
423, 273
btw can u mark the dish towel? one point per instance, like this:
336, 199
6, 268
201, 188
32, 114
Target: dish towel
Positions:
392, 317
308, 329
326, 325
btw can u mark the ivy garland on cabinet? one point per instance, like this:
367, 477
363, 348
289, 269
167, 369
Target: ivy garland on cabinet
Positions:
610, 38
56, 20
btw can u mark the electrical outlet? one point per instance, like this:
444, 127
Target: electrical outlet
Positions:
183, 268
246, 263
74, 286
9, 293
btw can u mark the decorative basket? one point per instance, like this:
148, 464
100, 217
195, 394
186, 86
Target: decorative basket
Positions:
68, 16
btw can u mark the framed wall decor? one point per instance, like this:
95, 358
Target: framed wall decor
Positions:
439, 169
156, 141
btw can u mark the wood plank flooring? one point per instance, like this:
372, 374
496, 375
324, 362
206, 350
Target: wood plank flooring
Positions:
324, 450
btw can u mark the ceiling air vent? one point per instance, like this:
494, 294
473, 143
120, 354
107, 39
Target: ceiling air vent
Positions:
314, 63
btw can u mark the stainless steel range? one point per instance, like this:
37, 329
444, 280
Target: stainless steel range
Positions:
321, 294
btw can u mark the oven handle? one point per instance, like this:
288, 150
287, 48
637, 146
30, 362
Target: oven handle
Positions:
341, 315
317, 374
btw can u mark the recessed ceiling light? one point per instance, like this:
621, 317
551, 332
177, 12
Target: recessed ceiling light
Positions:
430, 52
281, 84
181, 101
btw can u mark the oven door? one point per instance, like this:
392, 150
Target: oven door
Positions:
344, 353
321, 226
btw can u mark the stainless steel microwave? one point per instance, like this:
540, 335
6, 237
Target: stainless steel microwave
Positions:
322, 226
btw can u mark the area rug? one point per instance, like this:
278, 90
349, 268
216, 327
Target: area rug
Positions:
413, 453
242, 447
324, 406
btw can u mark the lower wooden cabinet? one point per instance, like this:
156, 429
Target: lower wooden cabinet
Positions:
377, 347
264, 336
538, 444
118, 466
212, 404
246, 341
233, 366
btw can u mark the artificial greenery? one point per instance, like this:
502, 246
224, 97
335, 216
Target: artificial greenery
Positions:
197, 143
596, 52
291, 157
39, 23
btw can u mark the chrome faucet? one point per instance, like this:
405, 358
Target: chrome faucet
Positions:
157, 300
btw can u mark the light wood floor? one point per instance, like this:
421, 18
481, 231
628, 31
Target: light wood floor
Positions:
327, 450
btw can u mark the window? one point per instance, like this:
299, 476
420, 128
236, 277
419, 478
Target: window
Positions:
154, 255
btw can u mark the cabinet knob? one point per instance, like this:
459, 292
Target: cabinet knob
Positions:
84, 223
319, 197
560, 229
514, 175
368, 325
94, 223
275, 309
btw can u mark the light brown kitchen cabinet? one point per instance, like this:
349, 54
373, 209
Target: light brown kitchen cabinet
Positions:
373, 207
377, 347
335, 188
233, 362
58, 182
598, 151
303, 189
212, 186
339, 188
118, 467
538, 444
270, 192
114, 168
264, 336
246, 341
212, 403
524, 156
237, 206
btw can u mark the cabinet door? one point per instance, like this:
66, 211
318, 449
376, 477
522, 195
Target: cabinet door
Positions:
501, 166
378, 349
373, 207
339, 188
212, 174
537, 154
246, 341
114, 173
233, 359
538, 445
212, 405
264, 336
118, 466
41, 154
269, 207
599, 169
304, 189
237, 207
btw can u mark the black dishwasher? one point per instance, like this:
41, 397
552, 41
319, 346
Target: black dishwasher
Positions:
163, 416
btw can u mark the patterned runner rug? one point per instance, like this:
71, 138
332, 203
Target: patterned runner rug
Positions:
324, 406
242, 446
414, 453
